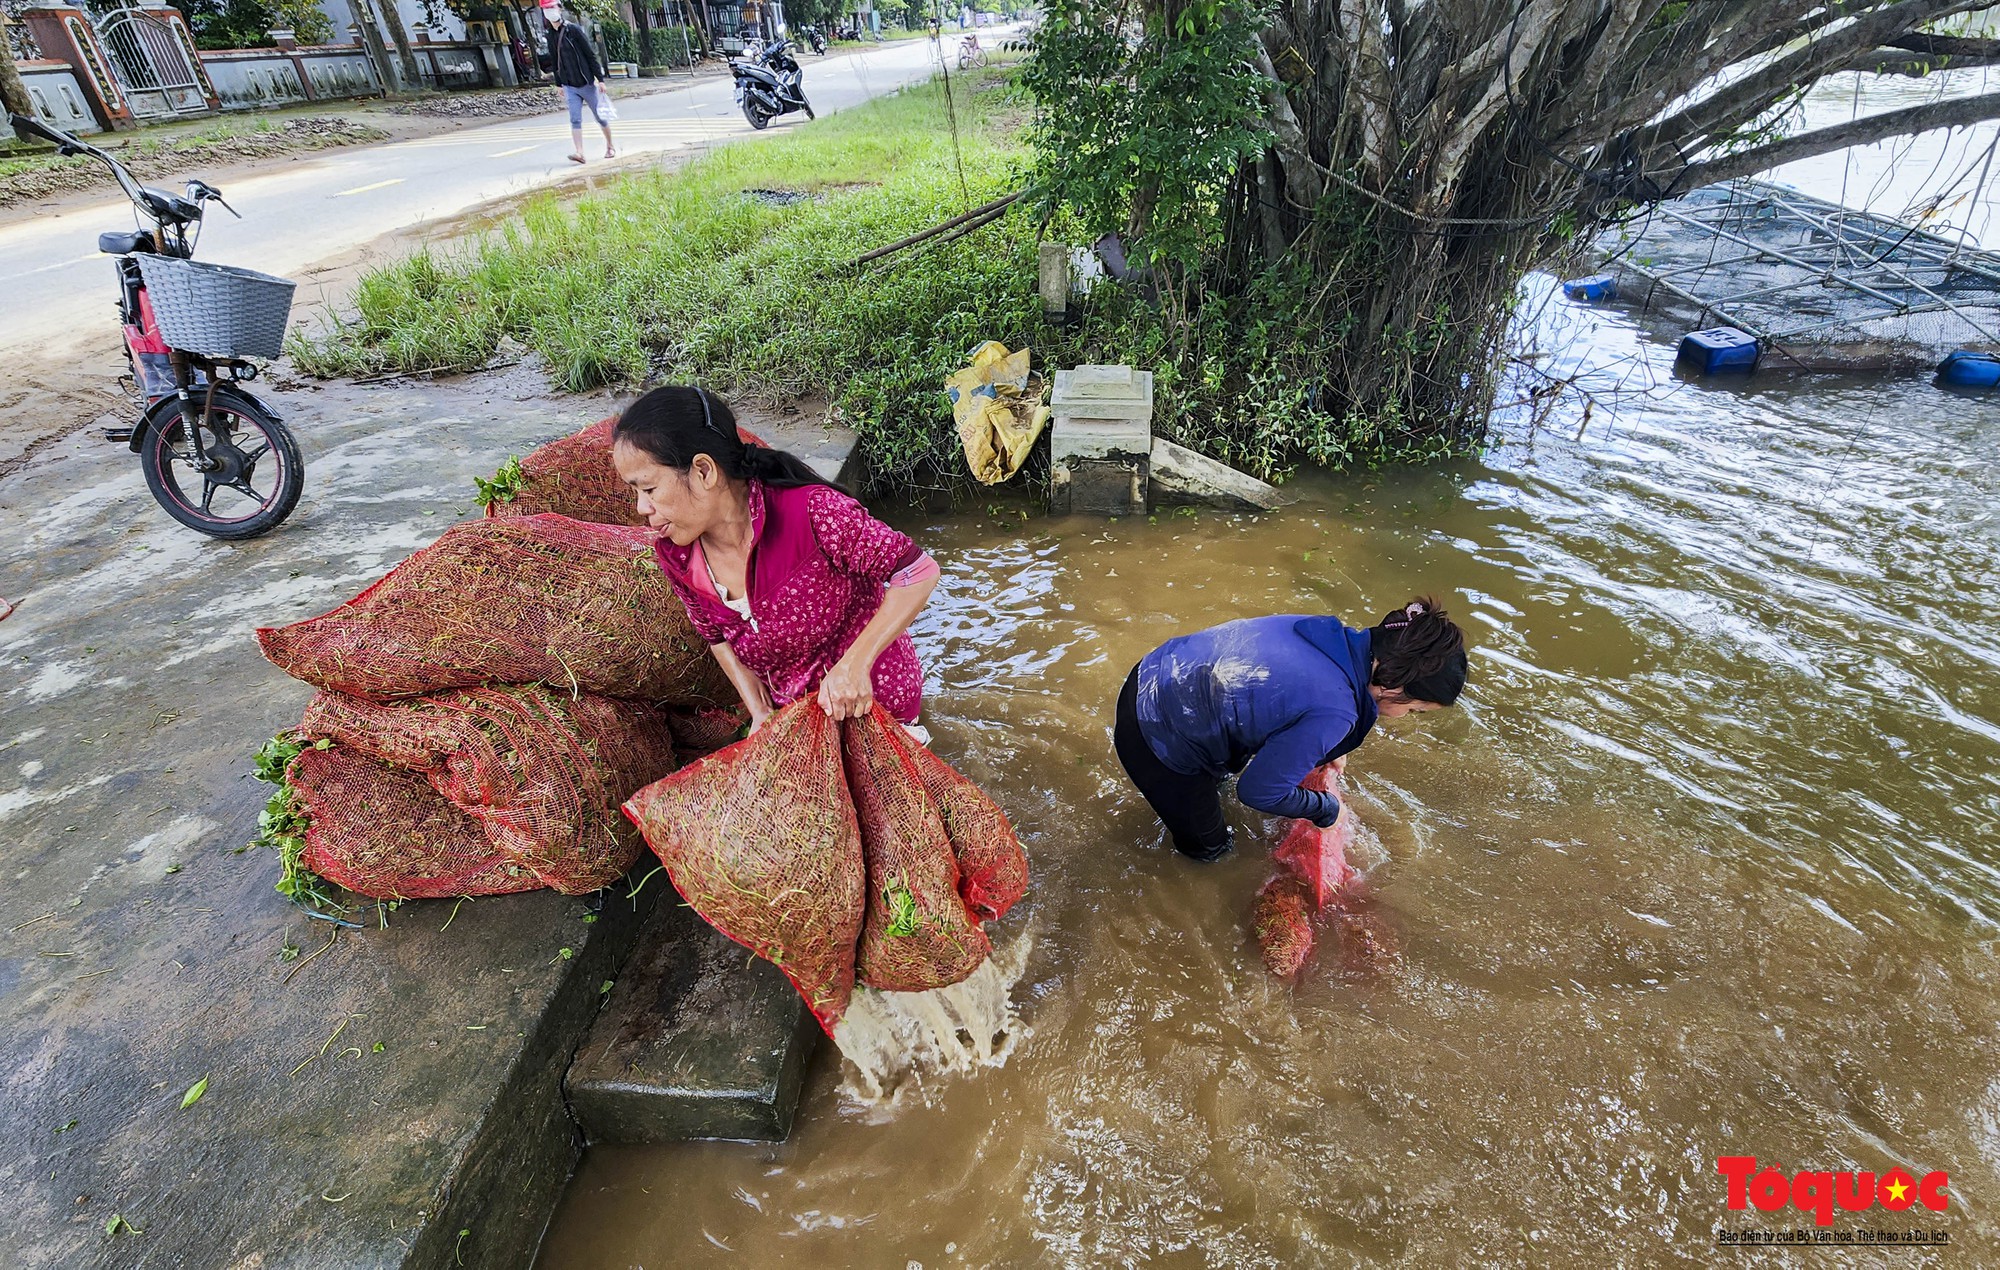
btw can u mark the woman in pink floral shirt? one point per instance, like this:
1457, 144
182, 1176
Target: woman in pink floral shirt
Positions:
796, 588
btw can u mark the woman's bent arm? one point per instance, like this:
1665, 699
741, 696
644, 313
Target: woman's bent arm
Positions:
848, 690
756, 697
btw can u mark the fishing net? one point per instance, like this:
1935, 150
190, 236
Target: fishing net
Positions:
992, 869
386, 834
1315, 855
538, 599
1312, 872
542, 775
917, 934
761, 839
572, 477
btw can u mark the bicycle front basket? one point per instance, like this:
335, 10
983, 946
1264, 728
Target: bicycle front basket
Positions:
217, 310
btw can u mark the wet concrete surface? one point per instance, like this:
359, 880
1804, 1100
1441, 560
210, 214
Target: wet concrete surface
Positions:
698, 1040
368, 1098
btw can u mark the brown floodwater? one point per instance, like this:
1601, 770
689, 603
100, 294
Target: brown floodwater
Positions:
1704, 865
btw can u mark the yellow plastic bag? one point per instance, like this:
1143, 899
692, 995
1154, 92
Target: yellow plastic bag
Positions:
997, 405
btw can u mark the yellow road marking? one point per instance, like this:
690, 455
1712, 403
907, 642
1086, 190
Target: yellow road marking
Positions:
363, 189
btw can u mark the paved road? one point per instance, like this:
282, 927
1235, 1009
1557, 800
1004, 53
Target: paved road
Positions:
57, 287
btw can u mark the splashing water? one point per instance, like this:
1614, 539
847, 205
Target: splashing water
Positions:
893, 1039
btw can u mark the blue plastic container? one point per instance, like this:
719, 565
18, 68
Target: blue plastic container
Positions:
1595, 289
1967, 369
1720, 350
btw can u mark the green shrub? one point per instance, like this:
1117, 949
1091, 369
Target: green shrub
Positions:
619, 44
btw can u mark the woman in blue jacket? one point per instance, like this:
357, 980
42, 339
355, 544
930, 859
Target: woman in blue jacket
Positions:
1272, 698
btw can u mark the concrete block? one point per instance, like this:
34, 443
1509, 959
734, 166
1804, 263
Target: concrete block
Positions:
1054, 278
1112, 486
1099, 412
697, 1040
1104, 392
1179, 475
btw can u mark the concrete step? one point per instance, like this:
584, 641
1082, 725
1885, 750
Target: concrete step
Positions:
698, 1039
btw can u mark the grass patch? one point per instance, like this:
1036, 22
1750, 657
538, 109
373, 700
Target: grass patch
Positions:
282, 826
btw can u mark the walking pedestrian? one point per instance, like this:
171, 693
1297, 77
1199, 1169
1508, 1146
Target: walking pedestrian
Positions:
582, 80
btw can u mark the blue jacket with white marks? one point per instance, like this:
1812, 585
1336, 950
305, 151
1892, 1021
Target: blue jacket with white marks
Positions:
1269, 697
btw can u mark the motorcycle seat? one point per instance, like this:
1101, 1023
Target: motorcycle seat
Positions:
124, 244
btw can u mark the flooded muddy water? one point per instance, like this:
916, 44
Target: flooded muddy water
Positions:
1707, 863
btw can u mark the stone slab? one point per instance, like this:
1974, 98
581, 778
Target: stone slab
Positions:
1181, 476
698, 1040
829, 449
368, 1100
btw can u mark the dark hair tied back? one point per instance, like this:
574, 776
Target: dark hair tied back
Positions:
675, 423
1420, 651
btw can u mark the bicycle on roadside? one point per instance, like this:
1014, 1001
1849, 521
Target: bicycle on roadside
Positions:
215, 457
970, 54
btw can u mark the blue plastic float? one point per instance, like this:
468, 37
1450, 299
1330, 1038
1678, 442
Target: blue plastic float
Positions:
1720, 350
1596, 288
1967, 369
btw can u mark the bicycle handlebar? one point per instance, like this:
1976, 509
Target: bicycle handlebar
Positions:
27, 127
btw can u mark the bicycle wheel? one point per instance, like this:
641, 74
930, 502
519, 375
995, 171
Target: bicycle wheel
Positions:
256, 480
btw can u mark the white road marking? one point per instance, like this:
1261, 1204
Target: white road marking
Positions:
363, 189
516, 150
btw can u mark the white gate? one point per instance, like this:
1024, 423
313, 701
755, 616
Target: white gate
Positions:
154, 63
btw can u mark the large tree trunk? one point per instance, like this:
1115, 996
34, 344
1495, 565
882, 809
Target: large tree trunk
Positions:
13, 93
392, 20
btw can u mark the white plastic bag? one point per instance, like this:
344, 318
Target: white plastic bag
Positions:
606, 112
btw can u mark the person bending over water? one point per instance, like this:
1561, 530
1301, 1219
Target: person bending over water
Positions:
1273, 698
796, 588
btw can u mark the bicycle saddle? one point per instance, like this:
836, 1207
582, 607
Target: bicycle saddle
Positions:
126, 243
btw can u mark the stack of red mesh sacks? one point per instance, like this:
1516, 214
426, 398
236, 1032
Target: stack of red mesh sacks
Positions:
843, 853
488, 705
574, 477
1312, 872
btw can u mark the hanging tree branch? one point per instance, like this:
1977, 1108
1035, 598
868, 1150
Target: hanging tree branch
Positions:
1954, 113
1746, 98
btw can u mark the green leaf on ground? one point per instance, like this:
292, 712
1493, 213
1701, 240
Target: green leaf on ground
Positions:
194, 1093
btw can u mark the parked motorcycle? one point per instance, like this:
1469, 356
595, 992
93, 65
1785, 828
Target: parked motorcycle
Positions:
815, 39
769, 84
216, 458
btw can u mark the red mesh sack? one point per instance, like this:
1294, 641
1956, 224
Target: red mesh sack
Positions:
573, 477
1318, 856
387, 834
992, 869
542, 775
1283, 923
540, 599
761, 840
702, 730
917, 934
